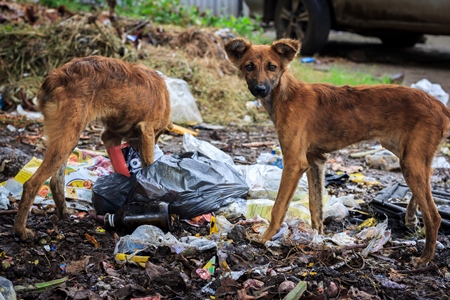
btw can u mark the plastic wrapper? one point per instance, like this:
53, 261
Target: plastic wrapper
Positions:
83, 169
191, 183
263, 208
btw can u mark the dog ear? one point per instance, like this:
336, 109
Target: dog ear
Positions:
287, 49
235, 50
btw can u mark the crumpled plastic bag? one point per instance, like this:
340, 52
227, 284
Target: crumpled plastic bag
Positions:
183, 108
111, 192
192, 184
264, 182
198, 184
150, 237
4, 201
433, 89
191, 144
7, 291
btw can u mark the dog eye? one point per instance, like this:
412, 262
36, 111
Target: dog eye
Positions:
249, 67
272, 68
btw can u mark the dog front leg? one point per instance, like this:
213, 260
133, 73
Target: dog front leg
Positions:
292, 171
315, 186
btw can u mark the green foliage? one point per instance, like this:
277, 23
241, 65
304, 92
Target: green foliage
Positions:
243, 25
73, 5
172, 12
335, 75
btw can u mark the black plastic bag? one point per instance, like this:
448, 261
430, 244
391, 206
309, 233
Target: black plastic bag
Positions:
337, 179
192, 184
111, 192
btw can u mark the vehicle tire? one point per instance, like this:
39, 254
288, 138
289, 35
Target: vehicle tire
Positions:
402, 40
306, 20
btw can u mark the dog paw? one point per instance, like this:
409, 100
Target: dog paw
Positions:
411, 222
265, 237
63, 214
419, 261
24, 234
259, 239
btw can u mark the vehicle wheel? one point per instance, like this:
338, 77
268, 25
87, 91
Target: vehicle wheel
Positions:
402, 40
306, 20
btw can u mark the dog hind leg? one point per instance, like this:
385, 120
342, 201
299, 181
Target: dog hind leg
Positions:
417, 174
411, 210
53, 164
62, 137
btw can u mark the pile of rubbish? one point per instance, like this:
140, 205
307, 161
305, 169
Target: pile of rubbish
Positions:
221, 208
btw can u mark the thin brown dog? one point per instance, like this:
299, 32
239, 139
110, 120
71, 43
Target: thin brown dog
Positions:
131, 101
314, 119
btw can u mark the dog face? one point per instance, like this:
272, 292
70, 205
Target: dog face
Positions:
262, 65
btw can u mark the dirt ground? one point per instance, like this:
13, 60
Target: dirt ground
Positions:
79, 250
330, 272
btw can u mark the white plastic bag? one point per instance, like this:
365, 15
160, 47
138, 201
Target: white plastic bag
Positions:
183, 108
433, 89
7, 289
191, 144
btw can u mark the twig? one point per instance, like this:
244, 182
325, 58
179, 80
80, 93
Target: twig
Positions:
138, 26
28, 33
8, 212
354, 246
258, 144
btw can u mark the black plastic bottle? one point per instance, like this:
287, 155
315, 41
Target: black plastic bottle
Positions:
136, 213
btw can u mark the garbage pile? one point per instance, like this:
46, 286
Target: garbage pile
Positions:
214, 251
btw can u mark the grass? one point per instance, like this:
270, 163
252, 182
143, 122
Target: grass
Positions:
335, 75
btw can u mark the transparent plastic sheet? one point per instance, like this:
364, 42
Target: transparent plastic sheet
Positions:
191, 183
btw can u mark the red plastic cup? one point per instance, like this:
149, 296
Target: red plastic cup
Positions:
118, 160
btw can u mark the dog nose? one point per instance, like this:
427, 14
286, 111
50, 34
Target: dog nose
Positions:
261, 89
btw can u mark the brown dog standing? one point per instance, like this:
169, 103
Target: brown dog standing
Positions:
131, 100
314, 119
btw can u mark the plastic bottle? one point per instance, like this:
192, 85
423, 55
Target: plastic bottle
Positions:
136, 213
